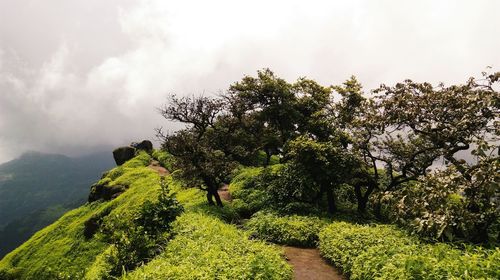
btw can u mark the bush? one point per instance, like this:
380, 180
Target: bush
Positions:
442, 262
448, 206
140, 160
139, 236
249, 190
385, 252
290, 184
207, 248
342, 242
288, 230
165, 159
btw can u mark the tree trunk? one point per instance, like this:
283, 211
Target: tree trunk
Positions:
378, 209
268, 157
332, 208
212, 193
217, 199
209, 198
361, 198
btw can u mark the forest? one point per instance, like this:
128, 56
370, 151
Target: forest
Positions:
401, 182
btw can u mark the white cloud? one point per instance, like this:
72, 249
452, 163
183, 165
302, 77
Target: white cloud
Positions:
100, 69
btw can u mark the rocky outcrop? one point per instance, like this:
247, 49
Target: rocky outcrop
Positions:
123, 154
92, 225
145, 145
105, 192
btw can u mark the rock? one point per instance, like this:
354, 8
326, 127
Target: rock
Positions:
105, 192
92, 225
145, 145
123, 154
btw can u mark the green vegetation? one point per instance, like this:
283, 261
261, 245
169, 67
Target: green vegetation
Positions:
385, 252
287, 230
347, 167
61, 250
133, 230
206, 248
336, 144
36, 189
249, 191
165, 159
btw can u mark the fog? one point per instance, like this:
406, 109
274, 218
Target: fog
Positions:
78, 75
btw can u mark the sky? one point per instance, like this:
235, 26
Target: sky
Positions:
77, 75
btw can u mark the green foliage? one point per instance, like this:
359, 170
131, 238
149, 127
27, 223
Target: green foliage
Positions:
447, 205
249, 189
62, 251
292, 191
262, 158
442, 262
140, 160
138, 236
291, 230
206, 248
165, 159
384, 252
35, 187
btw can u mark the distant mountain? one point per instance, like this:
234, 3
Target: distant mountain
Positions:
37, 188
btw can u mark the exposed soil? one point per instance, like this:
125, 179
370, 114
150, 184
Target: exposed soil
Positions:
224, 193
309, 265
155, 165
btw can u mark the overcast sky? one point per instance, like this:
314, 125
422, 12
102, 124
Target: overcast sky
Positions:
81, 74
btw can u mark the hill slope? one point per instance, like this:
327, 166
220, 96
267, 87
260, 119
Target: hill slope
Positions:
202, 244
38, 188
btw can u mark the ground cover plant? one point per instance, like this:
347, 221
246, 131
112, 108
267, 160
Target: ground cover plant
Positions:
207, 248
291, 230
386, 252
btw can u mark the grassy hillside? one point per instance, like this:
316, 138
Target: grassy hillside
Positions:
36, 189
61, 251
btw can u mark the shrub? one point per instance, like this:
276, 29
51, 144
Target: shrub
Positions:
442, 262
248, 190
207, 248
288, 230
141, 159
385, 252
289, 185
342, 242
138, 236
165, 159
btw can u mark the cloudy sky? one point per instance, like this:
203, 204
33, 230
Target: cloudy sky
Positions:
80, 74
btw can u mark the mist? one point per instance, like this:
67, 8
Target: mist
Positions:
79, 75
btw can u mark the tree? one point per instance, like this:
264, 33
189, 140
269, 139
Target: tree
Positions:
271, 103
329, 164
409, 127
202, 159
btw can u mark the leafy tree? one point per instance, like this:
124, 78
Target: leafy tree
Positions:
272, 97
409, 127
328, 164
204, 157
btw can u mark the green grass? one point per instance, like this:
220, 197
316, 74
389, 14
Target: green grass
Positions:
249, 193
291, 230
207, 248
204, 245
165, 159
386, 252
60, 251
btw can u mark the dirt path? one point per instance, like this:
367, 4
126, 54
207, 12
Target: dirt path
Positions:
308, 264
155, 165
224, 193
